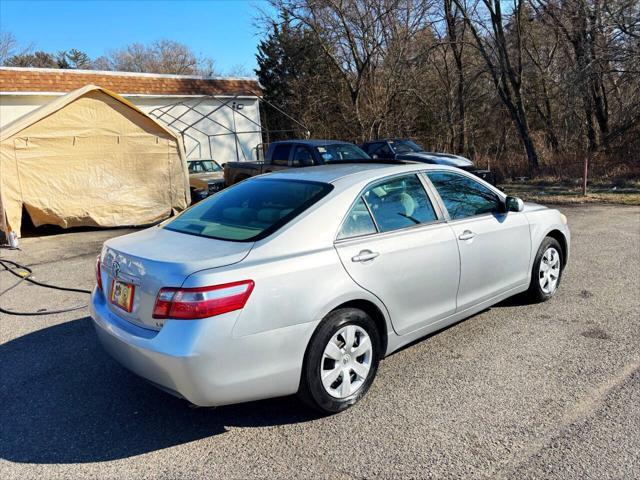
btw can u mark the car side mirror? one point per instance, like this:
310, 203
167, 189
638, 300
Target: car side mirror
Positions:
514, 204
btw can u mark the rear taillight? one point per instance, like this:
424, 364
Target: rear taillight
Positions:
98, 274
202, 302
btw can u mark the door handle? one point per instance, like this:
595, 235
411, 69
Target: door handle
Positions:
467, 235
365, 256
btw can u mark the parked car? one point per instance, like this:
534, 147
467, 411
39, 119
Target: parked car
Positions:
205, 178
403, 149
291, 154
302, 280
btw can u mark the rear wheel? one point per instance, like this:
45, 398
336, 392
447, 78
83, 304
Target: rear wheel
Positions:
546, 271
341, 361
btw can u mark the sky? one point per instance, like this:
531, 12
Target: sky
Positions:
224, 30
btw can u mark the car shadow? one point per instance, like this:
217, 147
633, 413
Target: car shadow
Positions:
518, 300
63, 400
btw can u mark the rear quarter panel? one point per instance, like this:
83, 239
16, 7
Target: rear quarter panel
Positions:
297, 273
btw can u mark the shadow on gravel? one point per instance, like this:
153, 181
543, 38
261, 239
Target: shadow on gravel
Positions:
519, 300
63, 400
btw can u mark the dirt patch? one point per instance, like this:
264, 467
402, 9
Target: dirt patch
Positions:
596, 333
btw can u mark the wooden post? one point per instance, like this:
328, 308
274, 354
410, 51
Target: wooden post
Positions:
584, 175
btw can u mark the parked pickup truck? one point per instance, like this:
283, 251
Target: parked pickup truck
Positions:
292, 154
403, 149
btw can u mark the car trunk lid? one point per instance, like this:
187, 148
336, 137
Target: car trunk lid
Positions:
155, 258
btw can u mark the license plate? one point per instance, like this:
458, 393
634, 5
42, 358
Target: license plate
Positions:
122, 295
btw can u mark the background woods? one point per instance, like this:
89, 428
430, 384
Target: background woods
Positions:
532, 86
526, 87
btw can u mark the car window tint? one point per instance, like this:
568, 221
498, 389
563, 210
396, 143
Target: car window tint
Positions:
462, 196
372, 147
405, 146
399, 203
382, 150
302, 157
249, 210
281, 155
210, 166
341, 151
357, 222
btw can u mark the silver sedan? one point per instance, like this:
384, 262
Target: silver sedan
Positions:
302, 281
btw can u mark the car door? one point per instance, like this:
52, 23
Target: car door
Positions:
494, 245
395, 244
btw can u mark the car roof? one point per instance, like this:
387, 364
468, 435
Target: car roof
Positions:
361, 172
313, 142
389, 140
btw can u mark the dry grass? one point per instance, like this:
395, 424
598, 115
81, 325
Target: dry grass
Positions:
546, 192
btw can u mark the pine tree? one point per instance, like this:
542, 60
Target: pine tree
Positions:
274, 74
78, 59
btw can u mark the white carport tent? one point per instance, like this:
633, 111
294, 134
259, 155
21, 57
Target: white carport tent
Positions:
90, 158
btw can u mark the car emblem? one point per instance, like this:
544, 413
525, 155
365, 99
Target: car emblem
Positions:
115, 268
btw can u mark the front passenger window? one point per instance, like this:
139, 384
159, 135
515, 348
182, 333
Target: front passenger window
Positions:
464, 197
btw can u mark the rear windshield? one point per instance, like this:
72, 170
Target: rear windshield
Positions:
249, 210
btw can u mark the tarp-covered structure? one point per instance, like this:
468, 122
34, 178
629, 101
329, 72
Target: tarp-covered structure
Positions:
90, 158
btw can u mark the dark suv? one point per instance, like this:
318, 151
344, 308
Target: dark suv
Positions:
403, 149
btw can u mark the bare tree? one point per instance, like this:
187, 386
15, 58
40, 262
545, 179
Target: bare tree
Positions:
10, 47
503, 56
541, 48
368, 43
162, 56
8, 44
37, 59
604, 39
455, 34
518, 82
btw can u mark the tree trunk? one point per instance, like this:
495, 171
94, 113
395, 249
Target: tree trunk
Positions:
456, 47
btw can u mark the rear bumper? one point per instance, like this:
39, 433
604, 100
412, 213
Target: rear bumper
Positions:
201, 360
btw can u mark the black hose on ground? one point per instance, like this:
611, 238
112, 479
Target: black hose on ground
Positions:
26, 276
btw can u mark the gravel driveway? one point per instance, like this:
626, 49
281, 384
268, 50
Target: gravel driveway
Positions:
517, 391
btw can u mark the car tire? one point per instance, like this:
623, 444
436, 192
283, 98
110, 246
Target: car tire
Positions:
322, 360
545, 281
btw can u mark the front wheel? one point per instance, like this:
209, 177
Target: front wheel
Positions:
341, 361
546, 271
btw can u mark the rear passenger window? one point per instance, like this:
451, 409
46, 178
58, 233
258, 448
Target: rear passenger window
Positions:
399, 203
281, 155
358, 222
